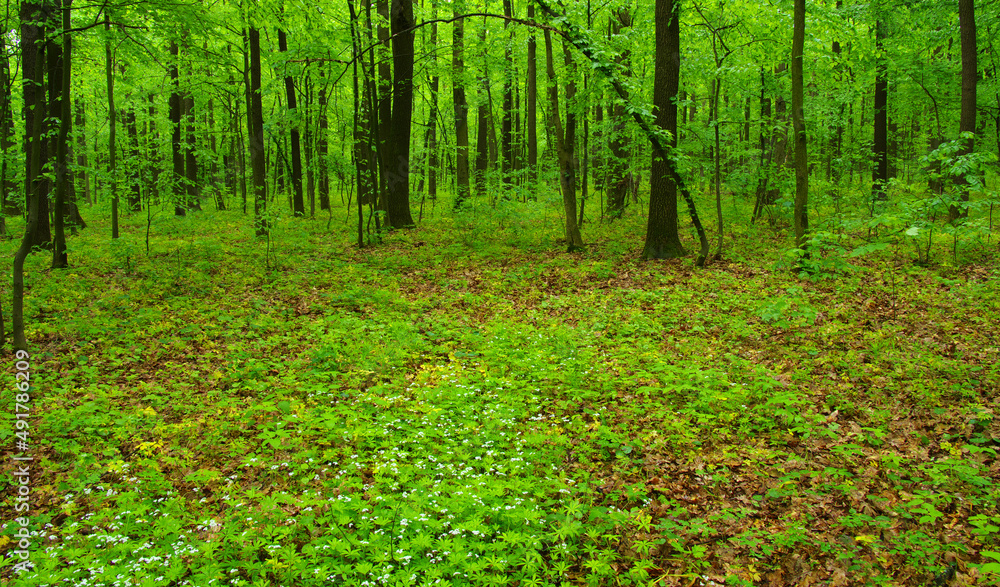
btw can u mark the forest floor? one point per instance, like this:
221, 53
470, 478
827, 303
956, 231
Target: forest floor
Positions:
466, 404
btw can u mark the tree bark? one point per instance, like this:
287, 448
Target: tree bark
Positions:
799, 125
176, 150
298, 203
60, 258
255, 122
662, 238
8, 206
398, 172
506, 121
564, 142
531, 120
880, 147
461, 110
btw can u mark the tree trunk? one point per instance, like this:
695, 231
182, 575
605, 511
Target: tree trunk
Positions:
255, 122
431, 137
970, 74
177, 153
880, 148
384, 93
322, 146
398, 172
135, 172
60, 78
112, 128
482, 140
619, 177
506, 121
7, 206
81, 149
531, 120
564, 141
662, 238
799, 125
298, 203
461, 110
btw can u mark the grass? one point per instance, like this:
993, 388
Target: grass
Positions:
465, 404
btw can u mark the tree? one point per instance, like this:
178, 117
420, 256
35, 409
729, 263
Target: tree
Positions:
565, 141
662, 239
531, 89
298, 203
255, 122
398, 171
461, 108
63, 181
880, 118
801, 215
619, 177
970, 75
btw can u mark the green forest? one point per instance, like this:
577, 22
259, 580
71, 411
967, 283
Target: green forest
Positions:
527, 293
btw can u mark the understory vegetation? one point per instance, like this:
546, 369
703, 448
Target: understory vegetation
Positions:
466, 404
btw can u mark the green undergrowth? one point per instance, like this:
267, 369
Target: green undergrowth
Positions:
458, 406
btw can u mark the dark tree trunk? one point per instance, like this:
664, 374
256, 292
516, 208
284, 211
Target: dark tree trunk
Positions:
384, 93
880, 148
482, 141
112, 127
322, 147
60, 79
431, 137
461, 111
81, 149
192, 185
176, 148
799, 125
8, 205
255, 122
32, 44
398, 176
298, 203
662, 239
531, 120
135, 171
506, 121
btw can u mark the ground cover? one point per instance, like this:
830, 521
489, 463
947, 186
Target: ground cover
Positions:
466, 404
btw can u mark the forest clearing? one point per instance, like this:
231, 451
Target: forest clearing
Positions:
527, 293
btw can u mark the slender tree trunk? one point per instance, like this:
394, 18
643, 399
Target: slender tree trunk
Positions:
322, 145
112, 129
970, 75
398, 202
384, 93
799, 125
461, 109
662, 238
298, 204
880, 148
176, 149
81, 149
531, 120
60, 258
255, 122
135, 172
619, 176
7, 205
506, 124
431, 138
482, 140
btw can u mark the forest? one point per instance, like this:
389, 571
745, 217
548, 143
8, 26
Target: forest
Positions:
514, 292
